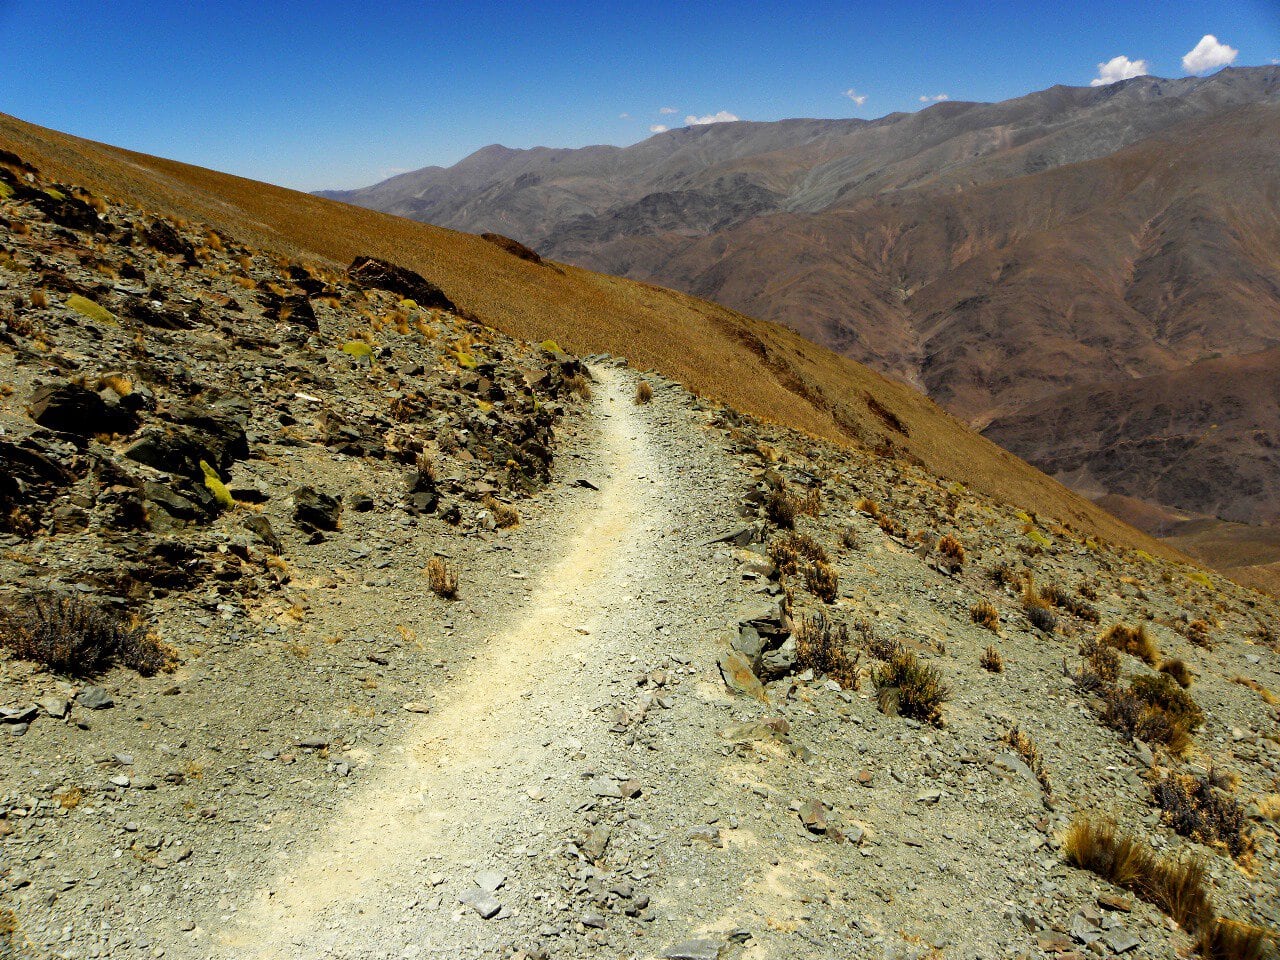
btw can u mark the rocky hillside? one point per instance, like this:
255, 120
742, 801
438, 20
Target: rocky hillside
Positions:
336, 623
758, 367
995, 255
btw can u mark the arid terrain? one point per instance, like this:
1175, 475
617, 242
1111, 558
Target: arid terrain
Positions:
1093, 249
338, 622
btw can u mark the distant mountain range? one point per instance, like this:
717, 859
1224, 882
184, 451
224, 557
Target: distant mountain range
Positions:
1091, 275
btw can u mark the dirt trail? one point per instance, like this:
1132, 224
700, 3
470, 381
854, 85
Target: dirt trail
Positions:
469, 773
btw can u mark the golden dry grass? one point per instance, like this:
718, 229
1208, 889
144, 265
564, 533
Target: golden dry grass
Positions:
760, 368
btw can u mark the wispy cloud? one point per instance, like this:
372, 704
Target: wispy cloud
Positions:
721, 116
855, 96
1209, 54
1117, 69
936, 98
624, 116
666, 111
658, 128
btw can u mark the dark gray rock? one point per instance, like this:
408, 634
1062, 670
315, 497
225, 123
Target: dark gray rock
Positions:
95, 698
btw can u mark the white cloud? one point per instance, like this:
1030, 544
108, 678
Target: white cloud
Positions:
936, 98
1209, 54
855, 96
1117, 69
722, 116
658, 128
666, 110
624, 116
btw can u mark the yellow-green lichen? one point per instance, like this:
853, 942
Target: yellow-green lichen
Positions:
1039, 539
408, 304
213, 483
465, 360
550, 346
87, 308
6, 191
358, 349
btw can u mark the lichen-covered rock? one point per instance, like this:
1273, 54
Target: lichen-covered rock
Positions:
382, 275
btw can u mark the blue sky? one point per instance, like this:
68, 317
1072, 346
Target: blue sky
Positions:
327, 94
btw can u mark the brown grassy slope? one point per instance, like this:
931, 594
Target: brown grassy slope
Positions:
758, 367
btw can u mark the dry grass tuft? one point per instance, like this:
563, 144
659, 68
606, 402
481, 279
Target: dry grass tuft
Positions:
39, 299
823, 581
504, 516
991, 661
780, 509
1180, 672
1229, 940
77, 638
578, 384
442, 579
984, 614
1025, 747
1198, 632
823, 647
1134, 641
952, 549
644, 392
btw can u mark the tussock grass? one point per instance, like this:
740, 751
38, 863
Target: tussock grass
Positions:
504, 515
823, 647
905, 686
442, 579
644, 392
952, 549
991, 661
823, 581
1179, 671
984, 614
1134, 641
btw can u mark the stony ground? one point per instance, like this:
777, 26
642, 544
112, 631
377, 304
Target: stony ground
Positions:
609, 744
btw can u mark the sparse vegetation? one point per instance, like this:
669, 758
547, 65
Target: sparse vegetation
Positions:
984, 614
1026, 748
1134, 641
1180, 672
578, 384
504, 515
991, 661
1042, 618
77, 638
1198, 632
780, 509
644, 392
907, 687
952, 549
39, 299
1197, 808
442, 579
823, 647
823, 581
1152, 708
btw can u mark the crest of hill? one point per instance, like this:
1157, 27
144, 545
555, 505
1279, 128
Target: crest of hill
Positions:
758, 367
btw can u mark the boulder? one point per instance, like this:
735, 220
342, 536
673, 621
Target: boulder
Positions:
163, 237
739, 677
382, 275
74, 408
313, 510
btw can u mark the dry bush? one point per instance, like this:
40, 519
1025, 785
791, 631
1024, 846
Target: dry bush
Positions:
879, 647
869, 507
849, 537
785, 556
780, 509
442, 579
578, 384
1003, 575
823, 581
39, 299
991, 660
1268, 697
1176, 886
1180, 672
952, 549
1195, 807
811, 503
1198, 633
909, 688
1101, 663
1025, 747
823, 647
644, 392
1134, 641
1153, 709
77, 638
807, 547
1042, 618
504, 515
984, 614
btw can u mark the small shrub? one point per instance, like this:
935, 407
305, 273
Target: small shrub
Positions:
1179, 671
907, 687
1199, 634
823, 647
808, 547
984, 614
442, 579
80, 639
1003, 575
504, 516
849, 538
780, 509
1195, 808
879, 647
1042, 618
1153, 709
785, 556
39, 299
869, 507
991, 660
1054, 595
1101, 662
952, 549
1134, 641
578, 384
823, 581
811, 503
644, 392
1025, 747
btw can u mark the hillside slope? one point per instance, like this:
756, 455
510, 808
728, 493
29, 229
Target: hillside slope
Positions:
758, 367
994, 255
